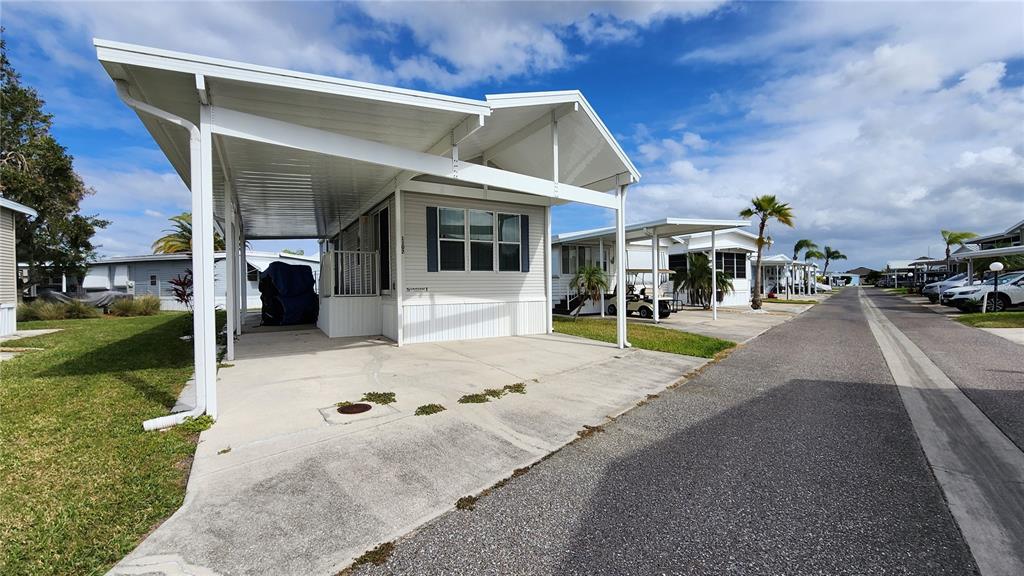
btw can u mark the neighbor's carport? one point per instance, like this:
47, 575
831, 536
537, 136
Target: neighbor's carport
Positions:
660, 234
271, 153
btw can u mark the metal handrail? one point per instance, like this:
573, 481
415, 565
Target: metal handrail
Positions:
354, 273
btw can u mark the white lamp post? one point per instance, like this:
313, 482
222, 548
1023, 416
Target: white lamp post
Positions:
996, 268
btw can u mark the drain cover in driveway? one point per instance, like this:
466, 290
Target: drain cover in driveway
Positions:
358, 408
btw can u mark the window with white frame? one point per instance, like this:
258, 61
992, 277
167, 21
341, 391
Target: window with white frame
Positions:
732, 263
481, 240
509, 243
451, 226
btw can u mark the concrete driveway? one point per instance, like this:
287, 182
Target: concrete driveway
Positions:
737, 324
282, 484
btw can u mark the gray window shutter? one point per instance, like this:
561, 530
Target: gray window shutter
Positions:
524, 239
431, 239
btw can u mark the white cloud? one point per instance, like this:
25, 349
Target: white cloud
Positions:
880, 124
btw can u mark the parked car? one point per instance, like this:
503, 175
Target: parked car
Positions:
935, 289
1011, 293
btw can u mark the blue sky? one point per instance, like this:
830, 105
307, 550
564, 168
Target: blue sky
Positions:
879, 123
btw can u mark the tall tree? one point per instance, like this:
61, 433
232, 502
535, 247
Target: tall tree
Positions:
179, 237
830, 255
765, 208
950, 238
37, 171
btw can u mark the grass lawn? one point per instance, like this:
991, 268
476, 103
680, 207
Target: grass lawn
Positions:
82, 482
900, 290
993, 320
646, 336
784, 301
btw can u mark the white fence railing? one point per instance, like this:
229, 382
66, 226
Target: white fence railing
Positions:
353, 273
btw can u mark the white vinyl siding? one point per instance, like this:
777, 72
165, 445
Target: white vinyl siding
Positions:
8, 266
459, 287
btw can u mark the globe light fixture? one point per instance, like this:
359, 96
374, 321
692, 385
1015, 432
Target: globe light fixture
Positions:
996, 268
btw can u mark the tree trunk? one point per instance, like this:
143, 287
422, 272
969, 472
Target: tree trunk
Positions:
755, 302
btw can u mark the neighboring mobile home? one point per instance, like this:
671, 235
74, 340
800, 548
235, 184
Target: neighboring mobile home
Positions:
732, 251
433, 212
9, 210
571, 250
152, 274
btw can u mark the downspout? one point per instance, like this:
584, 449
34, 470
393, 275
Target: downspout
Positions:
194, 179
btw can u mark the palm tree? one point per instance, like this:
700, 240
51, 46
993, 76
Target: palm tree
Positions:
801, 245
950, 238
179, 237
696, 280
765, 208
830, 255
590, 281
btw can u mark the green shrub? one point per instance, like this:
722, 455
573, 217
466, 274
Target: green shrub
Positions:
77, 309
42, 310
142, 306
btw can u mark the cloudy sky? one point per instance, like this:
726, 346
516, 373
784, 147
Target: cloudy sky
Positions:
879, 123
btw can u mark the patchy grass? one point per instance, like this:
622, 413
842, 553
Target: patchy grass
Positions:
646, 336
474, 399
379, 397
517, 388
343, 403
784, 301
494, 392
428, 409
466, 502
82, 482
993, 319
900, 290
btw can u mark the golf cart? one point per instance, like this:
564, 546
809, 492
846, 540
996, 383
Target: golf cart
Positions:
640, 303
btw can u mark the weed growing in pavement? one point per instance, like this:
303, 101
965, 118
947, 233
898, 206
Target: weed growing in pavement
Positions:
494, 392
474, 399
466, 502
428, 409
377, 556
589, 431
518, 388
379, 397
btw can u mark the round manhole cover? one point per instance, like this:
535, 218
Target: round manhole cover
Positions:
354, 408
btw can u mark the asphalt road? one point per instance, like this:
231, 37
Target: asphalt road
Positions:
988, 369
794, 455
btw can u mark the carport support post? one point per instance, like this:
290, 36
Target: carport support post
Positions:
243, 280
231, 271
604, 268
620, 268
549, 325
399, 266
714, 279
654, 274
204, 327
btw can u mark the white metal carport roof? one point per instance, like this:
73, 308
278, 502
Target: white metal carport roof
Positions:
288, 184
990, 253
663, 228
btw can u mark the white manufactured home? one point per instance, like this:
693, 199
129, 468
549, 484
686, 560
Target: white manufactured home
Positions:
9, 210
732, 252
647, 243
433, 212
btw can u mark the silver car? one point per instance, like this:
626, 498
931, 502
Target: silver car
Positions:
935, 289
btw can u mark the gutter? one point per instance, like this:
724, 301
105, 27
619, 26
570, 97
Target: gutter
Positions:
195, 177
